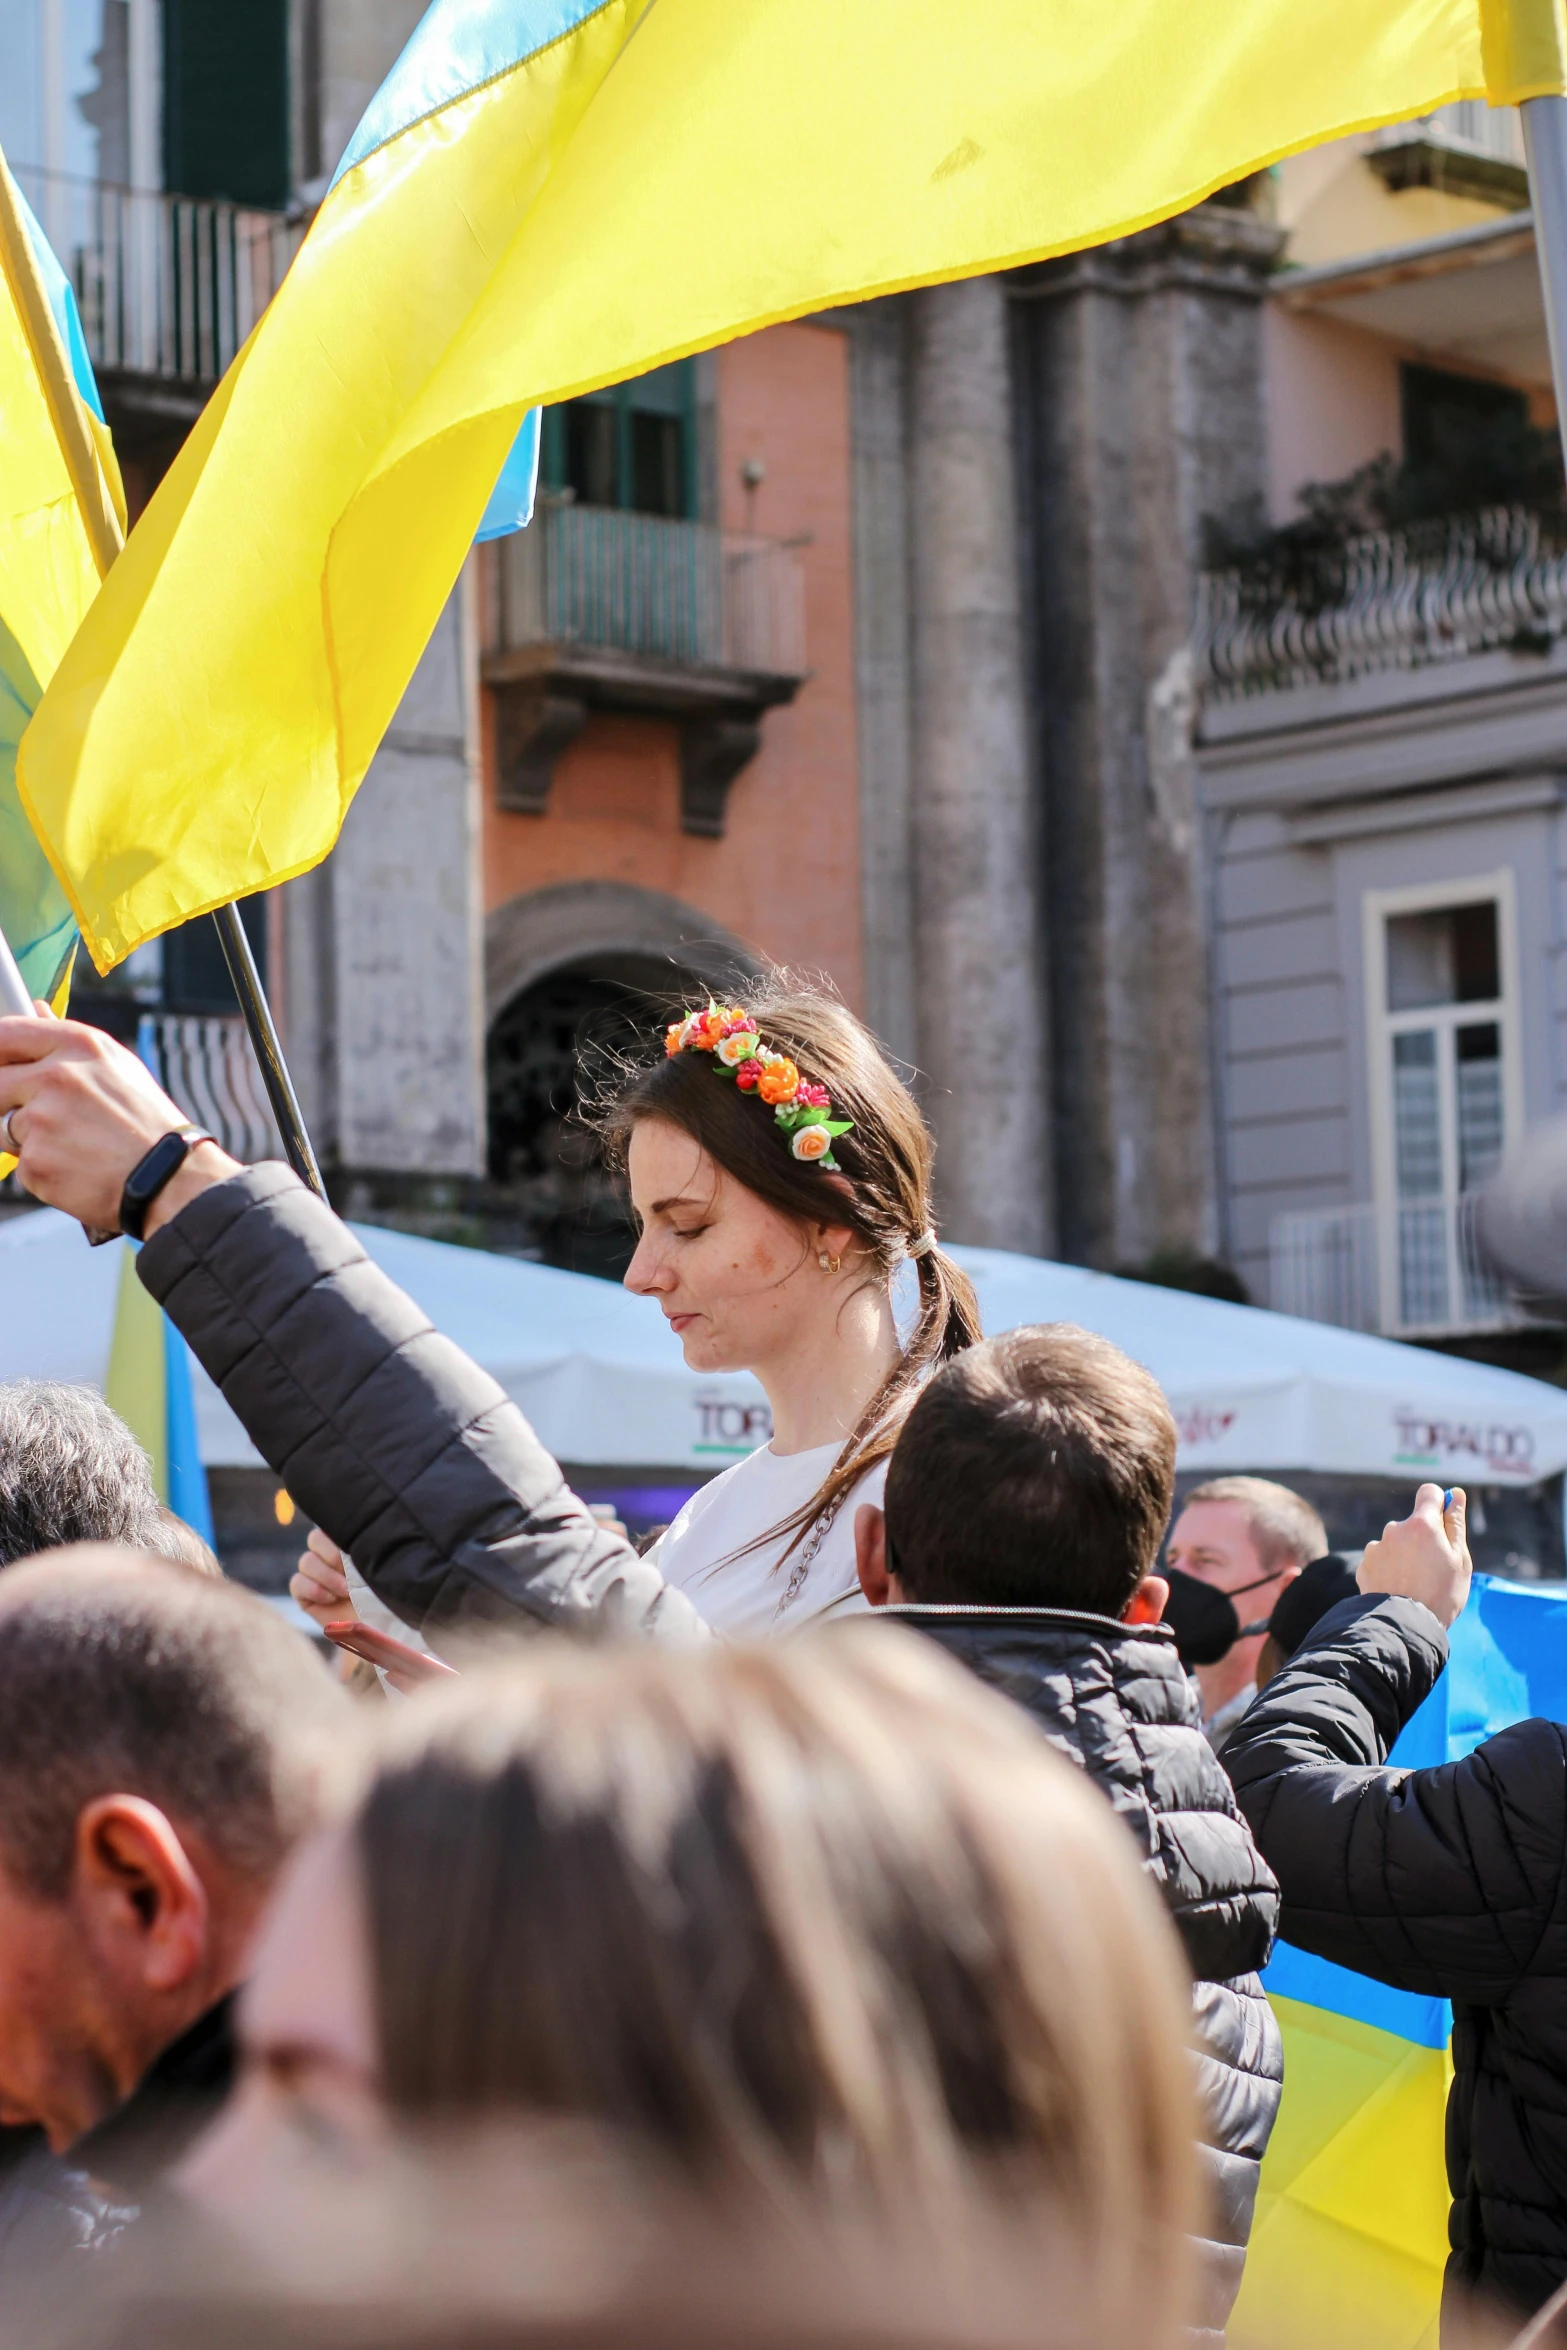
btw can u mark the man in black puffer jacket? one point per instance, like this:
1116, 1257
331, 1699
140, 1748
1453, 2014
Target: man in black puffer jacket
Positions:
1450, 1881
1025, 1505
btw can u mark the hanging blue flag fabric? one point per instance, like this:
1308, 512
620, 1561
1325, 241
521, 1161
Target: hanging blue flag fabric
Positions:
511, 501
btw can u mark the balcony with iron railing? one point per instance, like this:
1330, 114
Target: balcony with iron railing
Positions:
592, 608
169, 286
1436, 591
1411, 1271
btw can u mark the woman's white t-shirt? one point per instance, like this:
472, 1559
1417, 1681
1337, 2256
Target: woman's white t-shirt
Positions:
755, 1594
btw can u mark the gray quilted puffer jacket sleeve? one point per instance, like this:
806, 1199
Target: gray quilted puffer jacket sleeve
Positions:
384, 1432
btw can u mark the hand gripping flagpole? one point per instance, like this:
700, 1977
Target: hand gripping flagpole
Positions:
105, 538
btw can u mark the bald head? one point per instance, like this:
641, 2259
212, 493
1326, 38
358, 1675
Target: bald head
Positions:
121, 1673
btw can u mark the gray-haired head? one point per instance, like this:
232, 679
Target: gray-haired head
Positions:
70, 1471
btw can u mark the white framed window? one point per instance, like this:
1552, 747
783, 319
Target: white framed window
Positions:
1446, 1085
80, 103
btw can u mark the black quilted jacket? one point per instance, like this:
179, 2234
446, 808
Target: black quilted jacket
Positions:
1113, 1697
385, 1433
1451, 1882
417, 1463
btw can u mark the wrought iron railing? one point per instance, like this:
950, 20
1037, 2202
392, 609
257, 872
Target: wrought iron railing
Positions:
642, 584
1411, 1271
206, 1063
169, 286
1387, 600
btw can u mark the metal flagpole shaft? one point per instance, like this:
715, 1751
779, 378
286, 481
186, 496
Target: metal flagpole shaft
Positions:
265, 1045
1545, 144
14, 998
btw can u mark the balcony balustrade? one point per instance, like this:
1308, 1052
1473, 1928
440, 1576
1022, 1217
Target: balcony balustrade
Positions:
206, 1063
169, 286
1436, 591
1414, 1271
591, 608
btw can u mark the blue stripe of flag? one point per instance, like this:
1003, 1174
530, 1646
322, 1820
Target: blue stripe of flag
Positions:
456, 47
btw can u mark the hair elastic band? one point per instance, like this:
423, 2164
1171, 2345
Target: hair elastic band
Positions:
923, 1246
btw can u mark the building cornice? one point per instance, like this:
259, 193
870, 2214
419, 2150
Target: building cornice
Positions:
1214, 248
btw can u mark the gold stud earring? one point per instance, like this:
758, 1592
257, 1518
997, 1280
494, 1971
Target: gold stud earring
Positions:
829, 1264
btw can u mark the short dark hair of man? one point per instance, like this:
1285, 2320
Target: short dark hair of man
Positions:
70, 1471
123, 1674
1036, 1470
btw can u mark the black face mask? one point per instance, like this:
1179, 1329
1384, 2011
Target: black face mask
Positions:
1206, 1622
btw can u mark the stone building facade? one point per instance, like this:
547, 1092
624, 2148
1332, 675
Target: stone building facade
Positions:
868, 645
973, 812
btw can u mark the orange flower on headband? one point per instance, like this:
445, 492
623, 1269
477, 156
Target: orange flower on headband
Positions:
803, 1110
703, 1032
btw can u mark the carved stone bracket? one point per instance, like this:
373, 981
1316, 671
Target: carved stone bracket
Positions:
533, 726
712, 753
545, 695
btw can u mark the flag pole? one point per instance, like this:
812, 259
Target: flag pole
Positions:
268, 1051
1545, 145
105, 538
14, 998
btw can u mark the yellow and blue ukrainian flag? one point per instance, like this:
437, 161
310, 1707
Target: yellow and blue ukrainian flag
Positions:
1350, 2237
48, 579
549, 196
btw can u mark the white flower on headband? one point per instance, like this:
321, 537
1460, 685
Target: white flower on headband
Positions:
811, 1142
735, 1049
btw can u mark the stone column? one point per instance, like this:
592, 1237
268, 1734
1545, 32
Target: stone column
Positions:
979, 987
384, 944
1141, 415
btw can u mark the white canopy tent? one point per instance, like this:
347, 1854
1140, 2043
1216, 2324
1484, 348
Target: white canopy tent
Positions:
602, 1379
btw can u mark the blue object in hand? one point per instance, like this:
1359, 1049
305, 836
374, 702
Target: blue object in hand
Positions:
1447, 1501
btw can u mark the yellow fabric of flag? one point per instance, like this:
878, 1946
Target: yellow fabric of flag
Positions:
552, 197
1349, 2240
137, 1382
49, 570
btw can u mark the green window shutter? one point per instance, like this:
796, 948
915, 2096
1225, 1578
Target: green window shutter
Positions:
632, 446
225, 100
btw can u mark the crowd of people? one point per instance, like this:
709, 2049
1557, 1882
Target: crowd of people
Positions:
900, 1978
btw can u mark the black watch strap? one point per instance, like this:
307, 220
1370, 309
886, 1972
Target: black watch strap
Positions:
149, 1175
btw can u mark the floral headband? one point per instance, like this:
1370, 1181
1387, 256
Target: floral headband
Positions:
804, 1111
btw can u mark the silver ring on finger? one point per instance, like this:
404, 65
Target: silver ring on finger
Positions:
11, 1143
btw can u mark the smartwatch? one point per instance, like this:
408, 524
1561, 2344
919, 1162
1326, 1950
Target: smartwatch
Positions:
149, 1175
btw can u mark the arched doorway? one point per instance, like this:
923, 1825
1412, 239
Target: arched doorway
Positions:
581, 979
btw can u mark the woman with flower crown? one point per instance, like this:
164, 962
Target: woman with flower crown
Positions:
780, 1174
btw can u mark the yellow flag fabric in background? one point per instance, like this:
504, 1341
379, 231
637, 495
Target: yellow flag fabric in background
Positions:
550, 195
49, 567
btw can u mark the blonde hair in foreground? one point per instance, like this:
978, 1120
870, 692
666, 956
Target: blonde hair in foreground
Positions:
825, 1919
546, 2236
